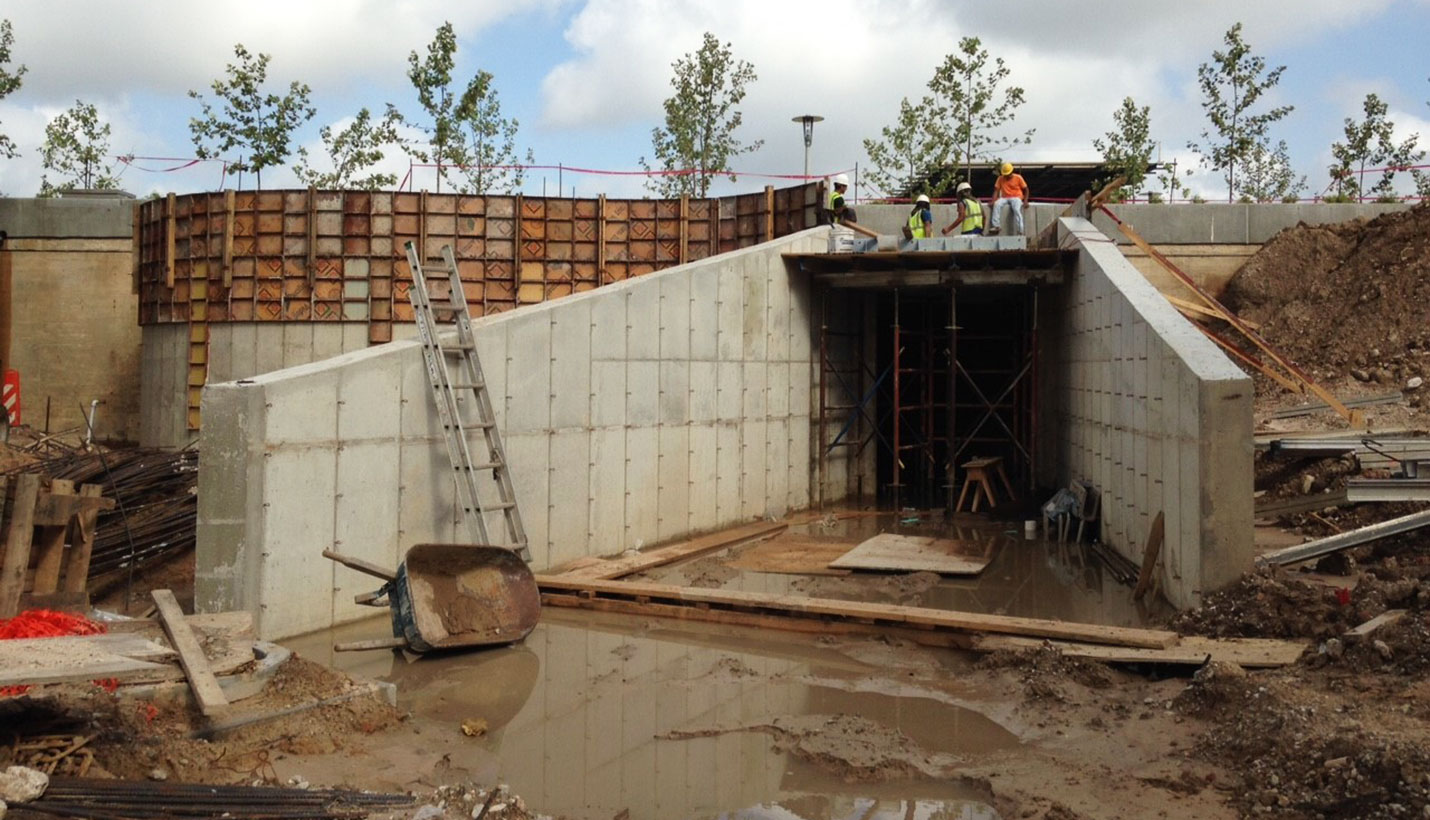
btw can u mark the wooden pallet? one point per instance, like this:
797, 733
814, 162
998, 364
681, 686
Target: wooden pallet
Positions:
49, 538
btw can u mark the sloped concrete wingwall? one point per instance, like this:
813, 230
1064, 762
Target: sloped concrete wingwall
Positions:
642, 411
1138, 402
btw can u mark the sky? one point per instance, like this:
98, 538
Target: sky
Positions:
586, 78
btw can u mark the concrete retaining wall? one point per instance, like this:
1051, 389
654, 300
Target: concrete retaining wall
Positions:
1138, 402
643, 411
66, 269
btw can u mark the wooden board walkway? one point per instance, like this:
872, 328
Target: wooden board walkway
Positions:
712, 605
660, 556
794, 554
919, 553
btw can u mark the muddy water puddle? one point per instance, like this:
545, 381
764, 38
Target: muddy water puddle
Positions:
594, 714
1031, 578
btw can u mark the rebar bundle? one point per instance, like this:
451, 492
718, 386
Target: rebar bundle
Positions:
142, 799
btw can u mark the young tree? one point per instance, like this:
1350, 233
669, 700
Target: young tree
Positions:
490, 139
1232, 85
969, 109
700, 120
958, 122
257, 123
898, 158
10, 80
1267, 175
1127, 151
76, 145
1371, 143
351, 151
432, 78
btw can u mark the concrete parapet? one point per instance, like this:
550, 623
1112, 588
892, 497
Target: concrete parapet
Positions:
642, 411
89, 217
1149, 411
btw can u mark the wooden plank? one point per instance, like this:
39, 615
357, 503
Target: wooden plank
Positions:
1385, 618
56, 510
50, 545
170, 228
229, 200
1244, 356
1150, 553
1198, 311
1345, 540
880, 613
675, 552
312, 224
792, 554
191, 656
1299, 504
914, 553
128, 645
76, 577
360, 565
1252, 653
1354, 417
769, 213
17, 544
684, 228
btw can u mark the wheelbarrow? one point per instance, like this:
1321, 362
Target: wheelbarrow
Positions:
451, 596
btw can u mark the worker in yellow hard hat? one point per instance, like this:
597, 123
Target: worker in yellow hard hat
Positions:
1009, 189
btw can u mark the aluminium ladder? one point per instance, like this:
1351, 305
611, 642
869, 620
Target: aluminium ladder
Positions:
463, 403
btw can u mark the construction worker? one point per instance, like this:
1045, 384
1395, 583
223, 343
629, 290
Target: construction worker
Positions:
835, 209
969, 220
1012, 190
921, 219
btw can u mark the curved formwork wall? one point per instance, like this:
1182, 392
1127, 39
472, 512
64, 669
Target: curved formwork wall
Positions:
234, 284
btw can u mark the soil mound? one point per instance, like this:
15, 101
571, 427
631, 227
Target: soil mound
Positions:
1352, 295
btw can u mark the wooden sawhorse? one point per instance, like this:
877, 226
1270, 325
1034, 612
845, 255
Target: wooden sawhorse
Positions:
979, 477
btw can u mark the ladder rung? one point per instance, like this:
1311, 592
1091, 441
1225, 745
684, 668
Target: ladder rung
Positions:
505, 505
470, 425
459, 348
444, 304
467, 385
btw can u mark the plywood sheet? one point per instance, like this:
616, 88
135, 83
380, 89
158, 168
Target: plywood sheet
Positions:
1188, 650
916, 553
795, 554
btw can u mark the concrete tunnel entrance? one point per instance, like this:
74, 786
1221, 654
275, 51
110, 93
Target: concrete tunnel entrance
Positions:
927, 359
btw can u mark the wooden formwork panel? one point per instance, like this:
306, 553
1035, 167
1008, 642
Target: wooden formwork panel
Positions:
309, 255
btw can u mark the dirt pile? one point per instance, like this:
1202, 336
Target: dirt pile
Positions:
1352, 297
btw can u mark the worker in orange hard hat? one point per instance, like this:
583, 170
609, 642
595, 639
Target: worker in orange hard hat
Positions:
1011, 190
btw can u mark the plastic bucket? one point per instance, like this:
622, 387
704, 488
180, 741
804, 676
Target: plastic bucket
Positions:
841, 239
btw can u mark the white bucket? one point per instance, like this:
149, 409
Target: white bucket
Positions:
841, 239
1030, 529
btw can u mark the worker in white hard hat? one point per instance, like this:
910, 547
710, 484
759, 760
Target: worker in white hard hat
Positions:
920, 219
969, 220
835, 209
1011, 190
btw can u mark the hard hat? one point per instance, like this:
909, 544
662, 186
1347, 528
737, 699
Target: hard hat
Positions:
922, 198
1006, 168
841, 179
962, 186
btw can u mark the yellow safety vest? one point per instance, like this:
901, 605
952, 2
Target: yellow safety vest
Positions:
916, 224
972, 216
836, 201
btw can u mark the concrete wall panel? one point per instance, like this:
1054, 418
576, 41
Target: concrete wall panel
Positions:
639, 412
1134, 395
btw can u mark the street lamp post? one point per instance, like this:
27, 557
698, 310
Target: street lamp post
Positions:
808, 120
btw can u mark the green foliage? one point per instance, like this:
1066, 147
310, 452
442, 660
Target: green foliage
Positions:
1267, 175
960, 119
10, 80
1232, 85
902, 153
432, 78
258, 124
1371, 143
490, 139
75, 147
1154, 198
352, 151
700, 120
1127, 151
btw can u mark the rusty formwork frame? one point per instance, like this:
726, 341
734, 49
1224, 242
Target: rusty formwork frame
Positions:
923, 438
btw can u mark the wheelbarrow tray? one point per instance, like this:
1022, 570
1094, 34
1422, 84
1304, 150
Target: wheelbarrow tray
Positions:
447, 596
